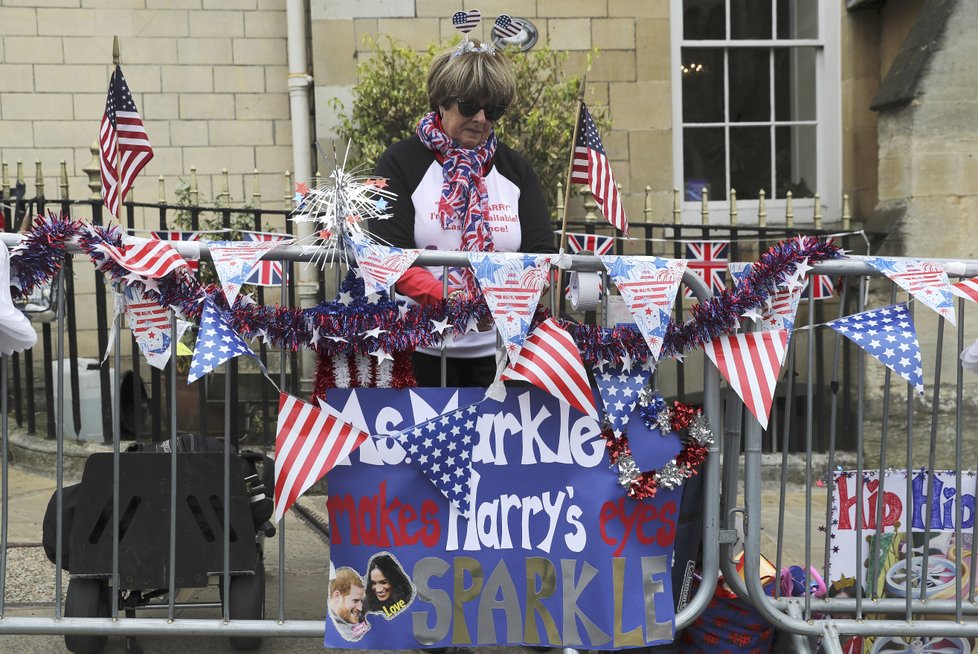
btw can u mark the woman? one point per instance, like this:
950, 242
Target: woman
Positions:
389, 591
459, 189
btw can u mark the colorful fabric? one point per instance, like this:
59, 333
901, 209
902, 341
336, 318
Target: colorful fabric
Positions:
464, 198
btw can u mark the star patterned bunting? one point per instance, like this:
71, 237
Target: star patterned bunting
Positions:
442, 448
889, 335
216, 343
619, 387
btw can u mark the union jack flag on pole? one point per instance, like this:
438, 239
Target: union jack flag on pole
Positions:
123, 144
709, 260
590, 166
266, 272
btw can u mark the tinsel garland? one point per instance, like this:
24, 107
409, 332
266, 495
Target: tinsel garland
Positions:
695, 434
340, 327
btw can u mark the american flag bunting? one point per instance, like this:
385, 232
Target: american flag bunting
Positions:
216, 343
146, 257
751, 363
192, 264
926, 281
619, 389
967, 288
590, 166
123, 144
308, 443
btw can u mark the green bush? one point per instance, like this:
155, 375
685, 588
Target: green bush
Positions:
390, 98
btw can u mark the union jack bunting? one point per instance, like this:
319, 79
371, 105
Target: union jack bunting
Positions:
751, 363
192, 264
708, 259
822, 286
595, 243
266, 273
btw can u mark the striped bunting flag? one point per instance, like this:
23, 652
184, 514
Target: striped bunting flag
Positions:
968, 289
150, 258
171, 235
550, 360
751, 364
308, 443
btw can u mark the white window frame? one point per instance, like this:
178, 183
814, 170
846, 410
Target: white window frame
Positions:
828, 122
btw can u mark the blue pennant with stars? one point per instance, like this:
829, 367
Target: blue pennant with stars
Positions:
889, 335
216, 343
442, 448
619, 386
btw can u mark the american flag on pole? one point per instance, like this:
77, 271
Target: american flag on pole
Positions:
146, 257
590, 166
267, 273
968, 289
123, 144
192, 264
708, 259
308, 443
751, 363
550, 360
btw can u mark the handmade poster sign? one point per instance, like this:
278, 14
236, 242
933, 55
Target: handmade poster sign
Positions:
890, 561
553, 554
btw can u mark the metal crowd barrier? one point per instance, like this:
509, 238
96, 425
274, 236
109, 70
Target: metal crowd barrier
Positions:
902, 616
280, 625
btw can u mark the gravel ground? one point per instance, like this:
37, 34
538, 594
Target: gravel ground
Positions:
30, 577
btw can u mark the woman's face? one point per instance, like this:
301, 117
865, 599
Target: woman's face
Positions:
380, 585
470, 131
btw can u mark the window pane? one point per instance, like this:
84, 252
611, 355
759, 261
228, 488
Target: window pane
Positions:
794, 83
704, 163
702, 72
750, 85
750, 19
750, 160
704, 19
795, 166
798, 19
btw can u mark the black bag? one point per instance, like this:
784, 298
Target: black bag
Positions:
70, 496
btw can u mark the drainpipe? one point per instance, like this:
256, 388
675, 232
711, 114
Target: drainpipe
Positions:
299, 83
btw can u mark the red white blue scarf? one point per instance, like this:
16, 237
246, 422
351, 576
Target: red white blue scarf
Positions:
464, 198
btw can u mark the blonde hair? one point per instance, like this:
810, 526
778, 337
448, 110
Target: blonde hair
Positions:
471, 72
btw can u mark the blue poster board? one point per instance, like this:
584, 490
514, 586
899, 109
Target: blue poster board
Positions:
553, 553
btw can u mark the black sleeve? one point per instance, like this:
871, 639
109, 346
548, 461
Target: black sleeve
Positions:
400, 169
538, 232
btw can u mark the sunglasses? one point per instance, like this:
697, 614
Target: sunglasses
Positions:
468, 109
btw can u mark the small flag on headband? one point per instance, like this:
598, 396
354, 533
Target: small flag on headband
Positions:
380, 265
550, 360
889, 335
751, 363
308, 443
192, 264
649, 286
267, 273
465, 21
619, 386
506, 27
590, 166
708, 259
124, 147
512, 284
442, 448
216, 343
150, 258
924, 280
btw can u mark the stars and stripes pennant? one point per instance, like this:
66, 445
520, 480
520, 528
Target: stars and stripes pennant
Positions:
619, 386
889, 335
966, 288
234, 261
926, 281
709, 260
150, 325
192, 264
512, 284
590, 166
145, 257
216, 343
380, 265
308, 443
465, 21
124, 147
649, 286
267, 272
781, 308
751, 363
550, 360
442, 448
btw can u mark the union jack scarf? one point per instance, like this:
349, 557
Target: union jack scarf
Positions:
464, 198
